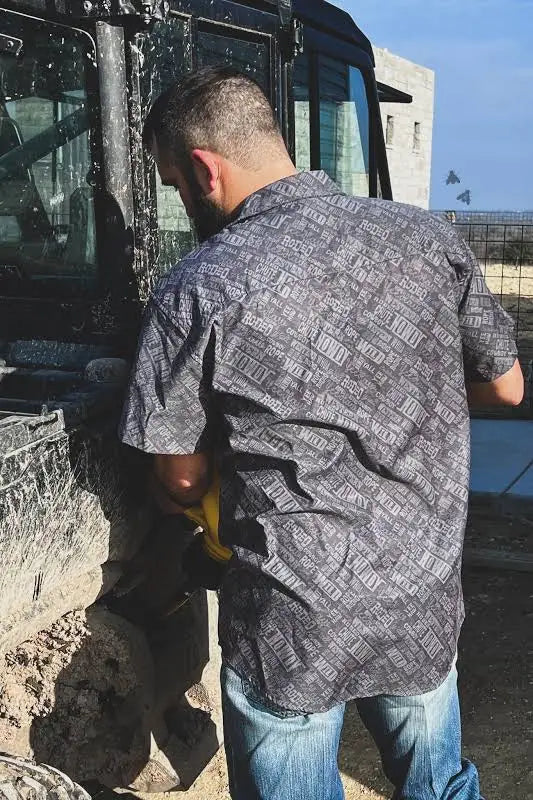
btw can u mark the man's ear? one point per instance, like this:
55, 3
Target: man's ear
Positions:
207, 170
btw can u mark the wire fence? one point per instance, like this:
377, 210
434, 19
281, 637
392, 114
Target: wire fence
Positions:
489, 217
503, 245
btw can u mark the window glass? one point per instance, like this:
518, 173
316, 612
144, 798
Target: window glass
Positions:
344, 126
47, 221
164, 58
251, 58
302, 113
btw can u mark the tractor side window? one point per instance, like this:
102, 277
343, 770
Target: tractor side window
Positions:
164, 62
166, 56
342, 146
47, 220
302, 113
249, 57
344, 126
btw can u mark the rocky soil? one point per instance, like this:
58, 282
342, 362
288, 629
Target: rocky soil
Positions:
73, 695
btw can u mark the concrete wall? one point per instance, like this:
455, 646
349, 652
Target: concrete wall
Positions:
409, 161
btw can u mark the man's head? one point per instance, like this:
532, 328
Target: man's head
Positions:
216, 140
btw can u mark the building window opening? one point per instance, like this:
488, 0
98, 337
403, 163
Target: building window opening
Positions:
416, 137
390, 130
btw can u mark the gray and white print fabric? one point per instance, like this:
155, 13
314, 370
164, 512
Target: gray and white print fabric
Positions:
319, 345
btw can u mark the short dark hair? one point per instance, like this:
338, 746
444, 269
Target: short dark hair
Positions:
218, 109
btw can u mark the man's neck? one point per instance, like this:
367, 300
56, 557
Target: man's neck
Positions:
242, 185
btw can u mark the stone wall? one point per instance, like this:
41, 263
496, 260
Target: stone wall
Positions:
409, 153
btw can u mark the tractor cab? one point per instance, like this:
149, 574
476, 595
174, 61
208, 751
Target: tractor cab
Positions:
85, 226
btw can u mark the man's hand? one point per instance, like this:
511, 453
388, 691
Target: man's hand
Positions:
508, 390
180, 481
162, 499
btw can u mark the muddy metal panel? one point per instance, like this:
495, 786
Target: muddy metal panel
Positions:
114, 119
64, 510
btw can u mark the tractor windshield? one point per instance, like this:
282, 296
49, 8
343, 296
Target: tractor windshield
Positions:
47, 222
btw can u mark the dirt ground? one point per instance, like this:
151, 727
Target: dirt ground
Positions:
509, 280
514, 288
496, 684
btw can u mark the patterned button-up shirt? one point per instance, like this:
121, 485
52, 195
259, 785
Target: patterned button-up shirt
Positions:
319, 347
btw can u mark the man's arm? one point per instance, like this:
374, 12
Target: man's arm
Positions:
508, 390
493, 376
180, 482
166, 408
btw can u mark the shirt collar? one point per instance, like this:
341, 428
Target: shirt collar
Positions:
295, 187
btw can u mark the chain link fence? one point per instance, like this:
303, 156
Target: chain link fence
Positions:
503, 245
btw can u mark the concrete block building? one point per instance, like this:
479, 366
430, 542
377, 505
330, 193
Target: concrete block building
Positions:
408, 128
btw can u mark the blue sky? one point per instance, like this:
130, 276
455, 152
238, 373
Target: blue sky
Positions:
482, 53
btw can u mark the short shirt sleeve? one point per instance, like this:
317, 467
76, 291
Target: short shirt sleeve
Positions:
166, 408
487, 331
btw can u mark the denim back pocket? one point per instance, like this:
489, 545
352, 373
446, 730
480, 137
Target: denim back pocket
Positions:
262, 703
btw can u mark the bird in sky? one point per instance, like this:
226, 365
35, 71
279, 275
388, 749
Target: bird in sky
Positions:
452, 178
465, 197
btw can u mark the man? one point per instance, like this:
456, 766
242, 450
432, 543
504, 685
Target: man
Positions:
314, 351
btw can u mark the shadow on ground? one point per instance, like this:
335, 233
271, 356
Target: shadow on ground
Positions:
496, 684
129, 706
497, 692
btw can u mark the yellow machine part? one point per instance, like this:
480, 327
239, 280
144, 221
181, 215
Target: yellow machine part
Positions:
207, 517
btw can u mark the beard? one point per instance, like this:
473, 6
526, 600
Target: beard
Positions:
208, 219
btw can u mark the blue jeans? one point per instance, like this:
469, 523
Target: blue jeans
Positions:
277, 755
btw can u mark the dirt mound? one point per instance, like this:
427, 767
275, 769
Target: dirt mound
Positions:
75, 697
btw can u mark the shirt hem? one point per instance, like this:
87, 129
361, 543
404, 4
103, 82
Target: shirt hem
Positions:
344, 697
